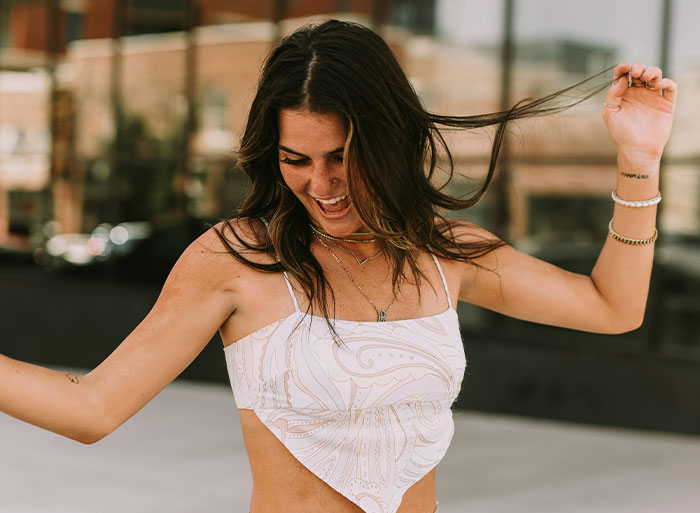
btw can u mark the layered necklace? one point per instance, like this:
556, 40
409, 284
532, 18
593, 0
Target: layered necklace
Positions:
333, 241
326, 240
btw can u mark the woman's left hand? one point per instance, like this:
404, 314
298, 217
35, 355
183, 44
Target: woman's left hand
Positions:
639, 116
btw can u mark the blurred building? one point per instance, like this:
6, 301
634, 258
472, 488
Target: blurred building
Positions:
130, 65
119, 111
178, 76
136, 107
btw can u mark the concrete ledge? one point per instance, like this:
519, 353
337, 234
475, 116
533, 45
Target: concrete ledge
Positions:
582, 384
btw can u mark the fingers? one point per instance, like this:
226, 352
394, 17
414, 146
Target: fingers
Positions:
651, 76
637, 75
668, 89
621, 69
613, 98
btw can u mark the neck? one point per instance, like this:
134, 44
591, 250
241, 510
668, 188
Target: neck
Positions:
365, 237
351, 253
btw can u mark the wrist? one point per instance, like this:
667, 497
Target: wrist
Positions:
638, 161
637, 171
637, 176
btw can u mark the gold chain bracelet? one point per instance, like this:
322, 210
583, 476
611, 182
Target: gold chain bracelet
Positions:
633, 242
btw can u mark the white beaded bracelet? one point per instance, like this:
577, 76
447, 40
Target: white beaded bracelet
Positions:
637, 204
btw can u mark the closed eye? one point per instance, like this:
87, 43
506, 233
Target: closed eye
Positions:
294, 162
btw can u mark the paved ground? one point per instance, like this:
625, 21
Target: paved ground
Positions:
184, 453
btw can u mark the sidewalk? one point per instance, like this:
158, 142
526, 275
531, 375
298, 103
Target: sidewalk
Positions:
184, 453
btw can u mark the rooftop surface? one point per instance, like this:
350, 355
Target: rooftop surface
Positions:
184, 452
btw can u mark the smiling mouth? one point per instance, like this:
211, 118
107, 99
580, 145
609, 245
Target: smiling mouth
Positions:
333, 205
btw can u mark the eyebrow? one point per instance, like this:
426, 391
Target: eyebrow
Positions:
288, 150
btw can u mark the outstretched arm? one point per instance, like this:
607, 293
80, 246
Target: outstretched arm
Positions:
611, 300
192, 305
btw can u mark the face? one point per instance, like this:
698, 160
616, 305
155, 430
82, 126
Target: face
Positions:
311, 161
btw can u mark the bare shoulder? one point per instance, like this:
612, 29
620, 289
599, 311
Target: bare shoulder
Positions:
483, 243
464, 231
200, 294
209, 259
474, 242
238, 234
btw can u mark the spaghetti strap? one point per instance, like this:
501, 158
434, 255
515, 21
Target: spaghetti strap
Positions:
291, 291
442, 277
284, 273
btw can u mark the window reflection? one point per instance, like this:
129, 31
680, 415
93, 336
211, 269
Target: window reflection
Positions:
114, 112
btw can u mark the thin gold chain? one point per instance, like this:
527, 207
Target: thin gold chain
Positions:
381, 314
328, 236
354, 255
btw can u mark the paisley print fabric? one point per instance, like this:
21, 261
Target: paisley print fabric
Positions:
369, 416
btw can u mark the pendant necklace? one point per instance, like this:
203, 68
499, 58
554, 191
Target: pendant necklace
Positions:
381, 314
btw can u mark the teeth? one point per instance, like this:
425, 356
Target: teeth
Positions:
332, 201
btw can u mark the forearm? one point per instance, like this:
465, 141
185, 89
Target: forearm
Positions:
623, 271
54, 400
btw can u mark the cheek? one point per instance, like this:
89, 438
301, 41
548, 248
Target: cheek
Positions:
294, 179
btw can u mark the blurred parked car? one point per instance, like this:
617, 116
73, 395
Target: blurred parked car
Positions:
103, 243
139, 251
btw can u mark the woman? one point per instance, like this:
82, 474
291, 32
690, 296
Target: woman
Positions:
334, 288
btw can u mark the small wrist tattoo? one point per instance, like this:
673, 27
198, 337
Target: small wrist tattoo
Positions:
634, 175
73, 378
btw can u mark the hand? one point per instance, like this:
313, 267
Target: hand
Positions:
639, 117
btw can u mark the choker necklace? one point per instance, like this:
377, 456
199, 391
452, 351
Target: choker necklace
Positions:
381, 314
328, 236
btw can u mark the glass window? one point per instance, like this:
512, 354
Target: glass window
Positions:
681, 172
25, 162
558, 44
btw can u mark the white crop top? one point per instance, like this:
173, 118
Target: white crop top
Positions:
370, 415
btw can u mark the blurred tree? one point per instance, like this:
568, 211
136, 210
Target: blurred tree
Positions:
144, 171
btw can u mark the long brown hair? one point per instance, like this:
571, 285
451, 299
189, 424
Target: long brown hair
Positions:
391, 155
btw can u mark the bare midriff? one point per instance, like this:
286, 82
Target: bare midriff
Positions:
281, 483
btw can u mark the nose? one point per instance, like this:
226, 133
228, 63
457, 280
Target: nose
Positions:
325, 179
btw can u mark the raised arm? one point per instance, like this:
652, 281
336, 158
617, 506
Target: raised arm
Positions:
611, 300
192, 305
